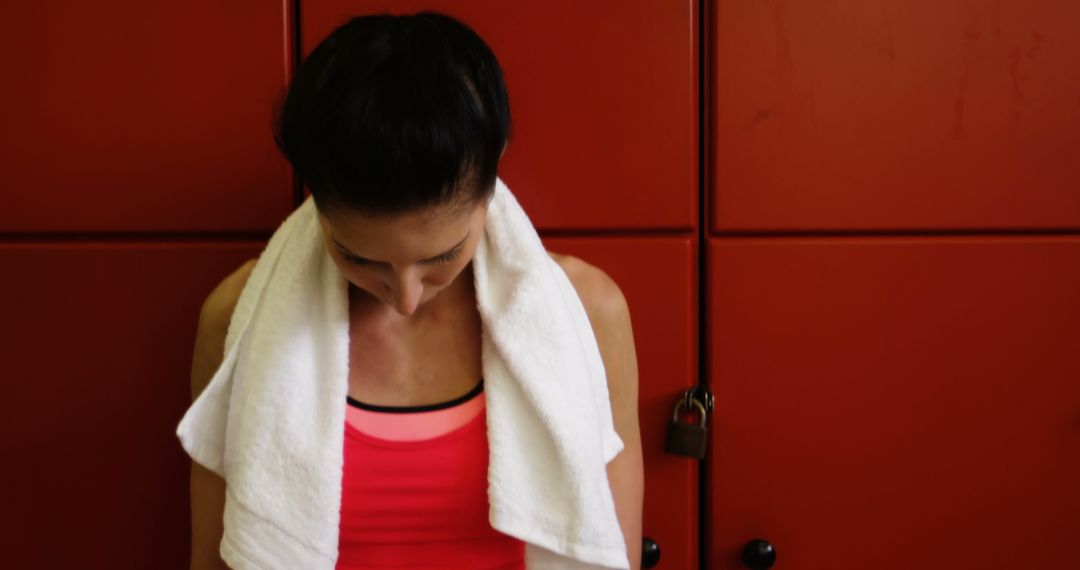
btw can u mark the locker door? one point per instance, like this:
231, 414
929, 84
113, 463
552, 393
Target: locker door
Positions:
880, 115
130, 116
125, 123
97, 356
895, 403
891, 276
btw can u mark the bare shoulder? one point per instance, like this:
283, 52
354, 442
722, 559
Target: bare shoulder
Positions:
214, 317
603, 299
221, 301
609, 315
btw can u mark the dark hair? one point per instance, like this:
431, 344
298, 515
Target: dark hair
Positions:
396, 113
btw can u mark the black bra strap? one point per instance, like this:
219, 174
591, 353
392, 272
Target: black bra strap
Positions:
425, 408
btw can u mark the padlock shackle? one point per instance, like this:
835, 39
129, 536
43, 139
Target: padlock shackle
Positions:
698, 405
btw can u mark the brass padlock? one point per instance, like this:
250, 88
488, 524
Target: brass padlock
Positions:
687, 440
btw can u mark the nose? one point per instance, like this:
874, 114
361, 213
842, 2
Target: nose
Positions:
405, 294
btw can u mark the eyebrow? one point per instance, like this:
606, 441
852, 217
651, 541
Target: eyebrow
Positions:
435, 258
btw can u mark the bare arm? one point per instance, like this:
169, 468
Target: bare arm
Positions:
626, 471
609, 315
207, 487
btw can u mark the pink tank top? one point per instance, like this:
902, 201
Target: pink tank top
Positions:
414, 489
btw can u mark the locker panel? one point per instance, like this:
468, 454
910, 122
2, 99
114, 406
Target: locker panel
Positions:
895, 403
602, 97
853, 115
97, 349
658, 277
142, 116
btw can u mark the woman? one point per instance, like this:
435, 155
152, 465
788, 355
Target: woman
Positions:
397, 124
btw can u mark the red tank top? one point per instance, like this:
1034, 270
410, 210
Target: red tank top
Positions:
414, 489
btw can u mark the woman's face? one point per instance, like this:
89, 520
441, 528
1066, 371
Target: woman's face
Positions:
403, 261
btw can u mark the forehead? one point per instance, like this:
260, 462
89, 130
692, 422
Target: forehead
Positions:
428, 219
415, 231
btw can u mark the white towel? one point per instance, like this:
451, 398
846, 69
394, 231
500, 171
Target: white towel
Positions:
271, 420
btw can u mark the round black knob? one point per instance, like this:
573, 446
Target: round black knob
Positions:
650, 552
758, 554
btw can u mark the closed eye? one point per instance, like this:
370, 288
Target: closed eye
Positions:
442, 259
448, 257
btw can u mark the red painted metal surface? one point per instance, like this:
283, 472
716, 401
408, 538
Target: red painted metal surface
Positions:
142, 116
603, 97
128, 313
97, 356
658, 276
156, 118
895, 403
852, 115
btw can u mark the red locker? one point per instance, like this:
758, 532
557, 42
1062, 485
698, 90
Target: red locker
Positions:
139, 119
903, 116
883, 399
886, 399
895, 403
98, 357
128, 116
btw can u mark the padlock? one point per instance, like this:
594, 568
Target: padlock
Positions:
687, 440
